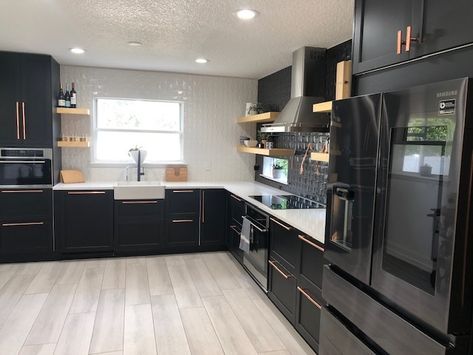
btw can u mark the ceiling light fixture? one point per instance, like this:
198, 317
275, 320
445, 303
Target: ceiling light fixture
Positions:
77, 50
135, 44
201, 60
246, 14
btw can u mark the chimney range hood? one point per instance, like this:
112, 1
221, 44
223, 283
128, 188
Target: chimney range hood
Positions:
307, 89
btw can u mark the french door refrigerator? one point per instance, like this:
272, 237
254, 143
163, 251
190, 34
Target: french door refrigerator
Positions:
398, 237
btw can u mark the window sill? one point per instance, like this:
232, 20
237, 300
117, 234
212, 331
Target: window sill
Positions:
281, 181
133, 164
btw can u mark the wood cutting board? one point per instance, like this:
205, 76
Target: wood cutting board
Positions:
72, 176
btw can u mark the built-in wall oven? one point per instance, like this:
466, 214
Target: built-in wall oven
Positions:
25, 168
254, 243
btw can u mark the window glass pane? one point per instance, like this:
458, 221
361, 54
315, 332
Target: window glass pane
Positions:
114, 146
138, 115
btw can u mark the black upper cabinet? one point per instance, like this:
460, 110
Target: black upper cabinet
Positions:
212, 230
84, 221
377, 23
26, 100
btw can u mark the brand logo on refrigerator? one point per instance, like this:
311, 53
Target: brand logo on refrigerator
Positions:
447, 107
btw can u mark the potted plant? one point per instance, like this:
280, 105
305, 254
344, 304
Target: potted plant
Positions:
278, 170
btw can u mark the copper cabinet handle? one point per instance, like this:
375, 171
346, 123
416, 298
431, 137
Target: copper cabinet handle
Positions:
86, 192
399, 42
282, 225
22, 224
182, 220
24, 119
409, 38
236, 198
182, 191
273, 264
20, 191
139, 202
203, 206
17, 120
310, 299
301, 237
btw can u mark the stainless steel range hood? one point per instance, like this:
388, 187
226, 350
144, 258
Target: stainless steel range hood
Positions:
307, 89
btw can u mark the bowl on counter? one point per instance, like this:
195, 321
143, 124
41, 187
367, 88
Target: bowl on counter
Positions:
250, 143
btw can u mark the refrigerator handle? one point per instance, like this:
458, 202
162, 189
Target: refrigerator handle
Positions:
346, 195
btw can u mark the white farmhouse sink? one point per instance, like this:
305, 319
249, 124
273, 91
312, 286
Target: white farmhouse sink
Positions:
138, 190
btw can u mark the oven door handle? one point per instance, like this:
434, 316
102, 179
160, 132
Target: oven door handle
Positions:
254, 225
22, 162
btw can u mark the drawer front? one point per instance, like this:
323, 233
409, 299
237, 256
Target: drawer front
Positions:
284, 242
283, 288
182, 231
336, 339
234, 242
309, 305
23, 203
237, 209
139, 208
182, 201
25, 237
311, 261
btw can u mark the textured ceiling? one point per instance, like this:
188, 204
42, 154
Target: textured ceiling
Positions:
174, 32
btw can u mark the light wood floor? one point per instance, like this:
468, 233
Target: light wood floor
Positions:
178, 304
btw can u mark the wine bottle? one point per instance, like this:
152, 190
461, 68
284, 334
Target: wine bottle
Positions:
67, 97
61, 102
73, 97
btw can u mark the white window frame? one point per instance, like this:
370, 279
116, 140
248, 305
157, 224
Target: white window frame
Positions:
129, 161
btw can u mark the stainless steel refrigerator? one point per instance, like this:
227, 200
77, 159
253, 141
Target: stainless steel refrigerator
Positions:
399, 227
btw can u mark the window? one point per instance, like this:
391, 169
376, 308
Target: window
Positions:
122, 124
275, 169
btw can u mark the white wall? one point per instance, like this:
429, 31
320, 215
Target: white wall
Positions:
211, 107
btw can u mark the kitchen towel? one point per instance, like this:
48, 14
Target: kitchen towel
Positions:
245, 236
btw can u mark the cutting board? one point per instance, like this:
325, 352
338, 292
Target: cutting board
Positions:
72, 176
176, 173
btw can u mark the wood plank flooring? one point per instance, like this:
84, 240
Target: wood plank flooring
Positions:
201, 303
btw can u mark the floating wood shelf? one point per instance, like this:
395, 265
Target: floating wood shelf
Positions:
323, 107
275, 152
319, 157
73, 111
62, 144
262, 117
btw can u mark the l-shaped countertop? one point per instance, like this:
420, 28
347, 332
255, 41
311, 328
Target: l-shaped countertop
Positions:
309, 221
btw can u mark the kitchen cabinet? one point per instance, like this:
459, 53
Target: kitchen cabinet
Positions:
311, 261
235, 211
212, 218
390, 32
138, 226
27, 99
84, 221
282, 289
284, 244
182, 219
26, 225
233, 241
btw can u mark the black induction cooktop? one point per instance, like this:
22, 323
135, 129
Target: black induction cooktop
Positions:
287, 202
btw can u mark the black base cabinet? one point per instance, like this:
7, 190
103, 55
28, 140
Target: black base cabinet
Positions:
212, 218
235, 211
26, 225
139, 226
282, 289
84, 221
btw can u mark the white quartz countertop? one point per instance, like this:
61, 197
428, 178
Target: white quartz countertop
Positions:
311, 222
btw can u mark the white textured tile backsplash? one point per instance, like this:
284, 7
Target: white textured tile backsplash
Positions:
211, 106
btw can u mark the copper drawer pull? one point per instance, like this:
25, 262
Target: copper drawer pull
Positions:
399, 42
301, 237
139, 202
86, 192
282, 225
17, 120
273, 264
203, 206
22, 224
182, 191
21, 191
310, 299
24, 119
182, 220
409, 38
236, 198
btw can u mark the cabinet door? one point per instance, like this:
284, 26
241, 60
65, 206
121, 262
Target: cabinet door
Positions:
377, 23
233, 242
311, 261
237, 209
309, 306
182, 201
283, 243
25, 203
212, 217
445, 25
84, 221
36, 100
282, 289
138, 225
9, 99
182, 232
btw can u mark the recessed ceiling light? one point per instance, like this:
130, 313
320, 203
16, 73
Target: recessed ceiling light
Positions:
246, 14
201, 60
77, 50
135, 43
